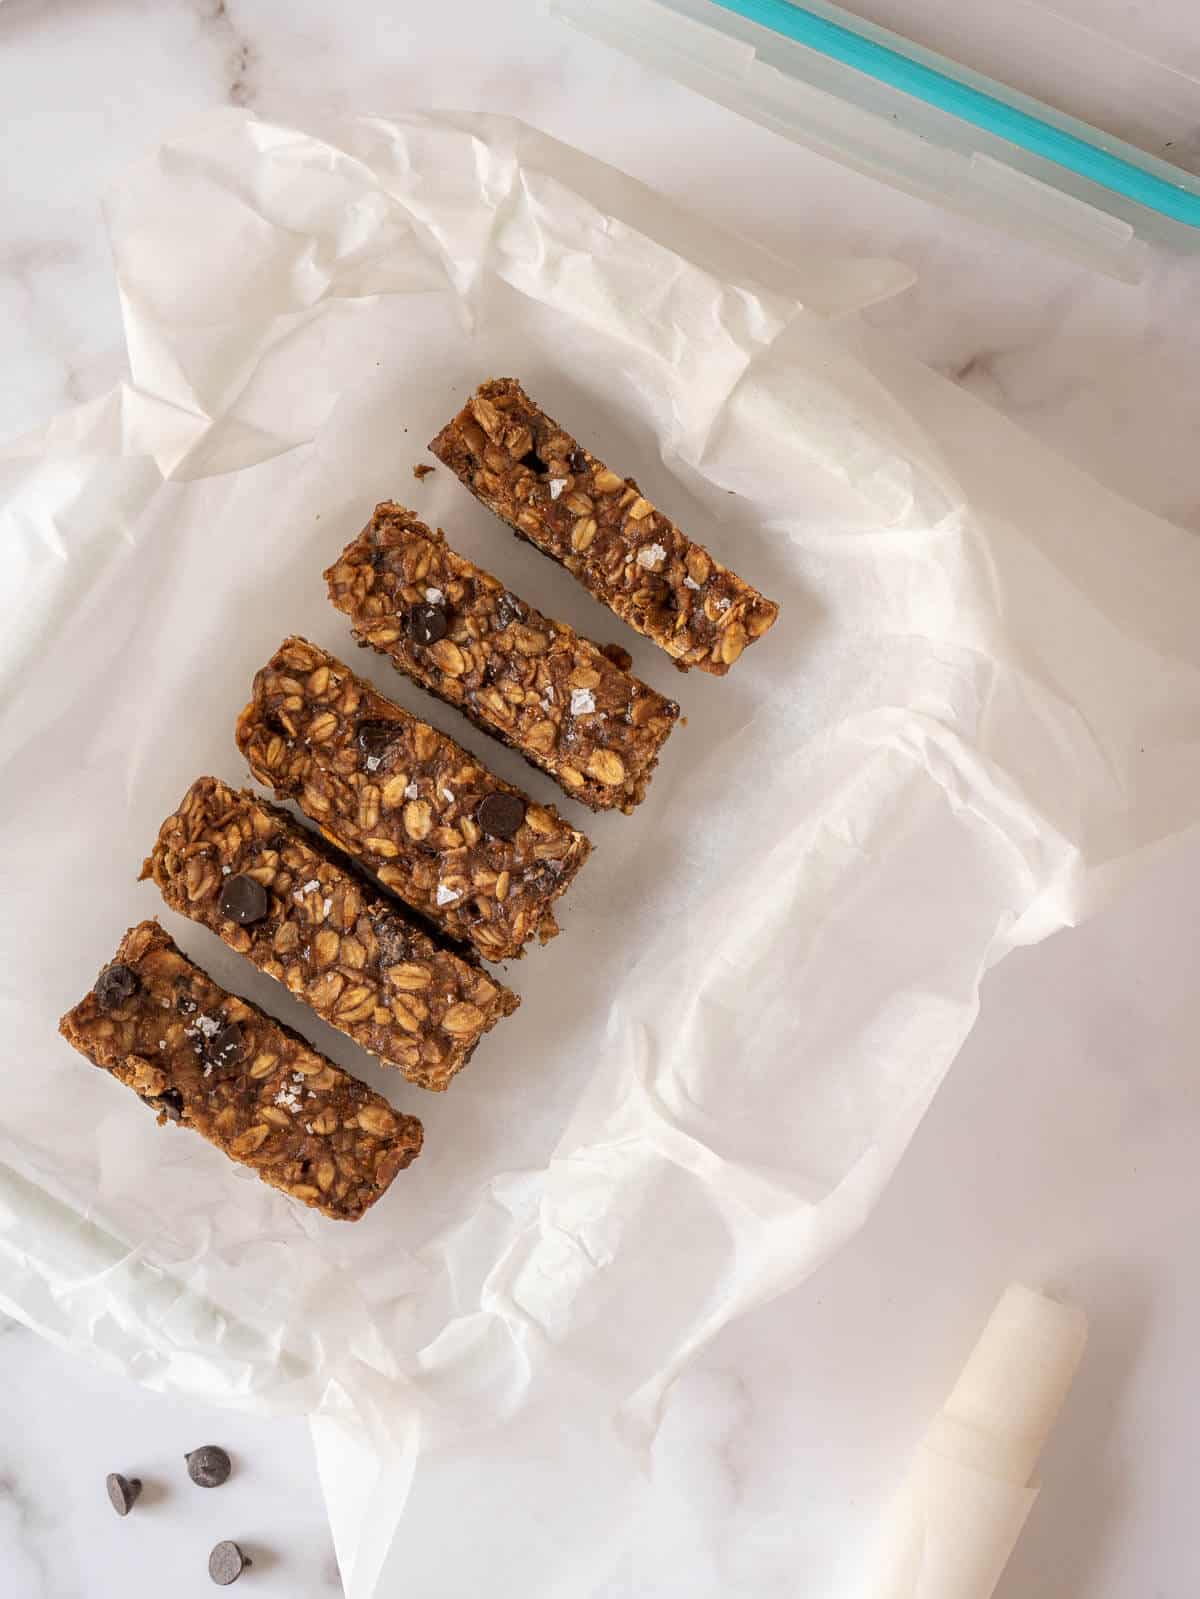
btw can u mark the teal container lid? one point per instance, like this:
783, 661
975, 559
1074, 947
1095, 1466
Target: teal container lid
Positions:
885, 105
1115, 168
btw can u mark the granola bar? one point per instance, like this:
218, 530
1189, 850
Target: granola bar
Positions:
280, 896
551, 695
210, 1061
601, 527
462, 847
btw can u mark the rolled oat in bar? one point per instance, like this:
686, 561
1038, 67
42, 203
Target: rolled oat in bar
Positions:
281, 896
602, 528
553, 696
204, 1058
462, 847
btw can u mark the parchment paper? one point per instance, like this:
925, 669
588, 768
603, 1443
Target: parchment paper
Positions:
967, 1495
980, 707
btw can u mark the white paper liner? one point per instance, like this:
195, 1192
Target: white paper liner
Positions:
965, 1500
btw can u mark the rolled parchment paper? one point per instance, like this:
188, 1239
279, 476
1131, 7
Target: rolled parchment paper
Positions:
961, 1509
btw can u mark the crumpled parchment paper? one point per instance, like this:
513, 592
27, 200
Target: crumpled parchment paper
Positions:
980, 707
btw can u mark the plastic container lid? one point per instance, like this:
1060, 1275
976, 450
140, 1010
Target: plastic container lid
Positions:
884, 103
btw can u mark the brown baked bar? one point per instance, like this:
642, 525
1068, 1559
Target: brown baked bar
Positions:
601, 527
464, 848
551, 695
279, 895
215, 1063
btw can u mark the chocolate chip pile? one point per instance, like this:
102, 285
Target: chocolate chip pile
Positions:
208, 1467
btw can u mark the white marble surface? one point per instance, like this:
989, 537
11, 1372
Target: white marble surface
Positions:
781, 1443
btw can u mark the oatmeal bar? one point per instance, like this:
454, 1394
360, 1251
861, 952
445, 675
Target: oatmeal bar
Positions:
551, 695
464, 848
600, 526
252, 1087
279, 895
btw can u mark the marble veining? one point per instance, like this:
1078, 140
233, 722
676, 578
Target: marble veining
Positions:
240, 55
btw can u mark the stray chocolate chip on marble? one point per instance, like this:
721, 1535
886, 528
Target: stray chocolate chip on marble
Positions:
209, 1466
225, 1046
122, 1492
170, 1102
426, 624
227, 1562
244, 900
375, 741
116, 984
500, 815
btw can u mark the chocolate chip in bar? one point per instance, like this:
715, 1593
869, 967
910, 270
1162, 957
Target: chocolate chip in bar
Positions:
501, 815
170, 1102
509, 609
244, 900
115, 984
427, 624
209, 1466
225, 1047
376, 740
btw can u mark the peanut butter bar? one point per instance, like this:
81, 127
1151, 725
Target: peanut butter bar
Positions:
210, 1061
462, 847
279, 895
601, 527
551, 695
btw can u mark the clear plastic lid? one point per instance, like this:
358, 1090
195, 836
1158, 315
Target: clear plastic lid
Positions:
1095, 149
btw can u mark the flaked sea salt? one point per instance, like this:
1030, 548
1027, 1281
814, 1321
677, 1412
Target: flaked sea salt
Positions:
445, 896
583, 701
651, 556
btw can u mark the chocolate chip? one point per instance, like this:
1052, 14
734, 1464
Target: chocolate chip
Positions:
577, 461
500, 815
170, 1102
227, 1562
426, 624
534, 462
122, 1492
209, 1466
618, 655
508, 610
244, 900
225, 1046
392, 936
376, 741
116, 984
